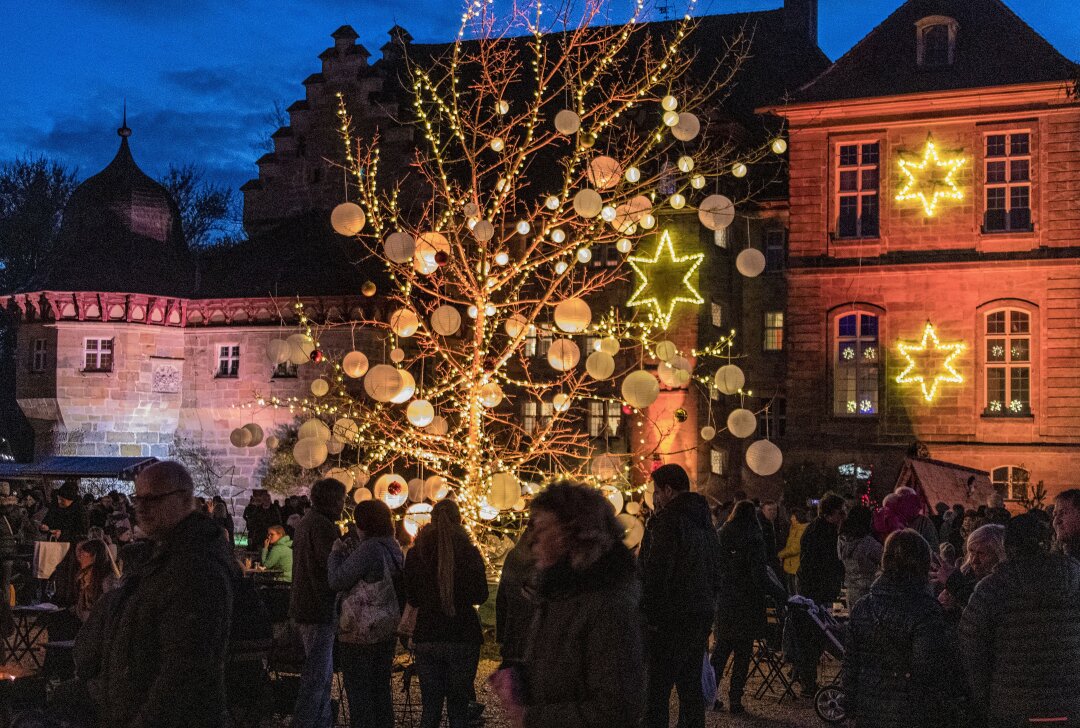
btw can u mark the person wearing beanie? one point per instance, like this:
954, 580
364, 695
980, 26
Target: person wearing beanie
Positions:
680, 567
66, 520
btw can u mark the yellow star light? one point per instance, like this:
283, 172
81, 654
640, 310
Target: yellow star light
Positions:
923, 179
664, 284
930, 343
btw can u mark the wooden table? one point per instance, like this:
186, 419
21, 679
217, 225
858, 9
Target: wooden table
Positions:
29, 627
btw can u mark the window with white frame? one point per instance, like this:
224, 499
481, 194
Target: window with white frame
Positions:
529, 412
775, 249
1008, 182
857, 182
774, 331
40, 359
1008, 362
97, 355
228, 360
717, 314
855, 364
1010, 481
604, 418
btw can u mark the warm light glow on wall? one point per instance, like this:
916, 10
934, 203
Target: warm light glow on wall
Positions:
947, 372
922, 180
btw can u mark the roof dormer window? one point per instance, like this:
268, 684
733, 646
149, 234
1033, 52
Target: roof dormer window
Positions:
936, 36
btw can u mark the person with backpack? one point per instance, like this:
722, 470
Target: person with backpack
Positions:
680, 565
365, 567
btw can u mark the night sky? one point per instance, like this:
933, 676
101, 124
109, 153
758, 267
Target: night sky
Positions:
202, 77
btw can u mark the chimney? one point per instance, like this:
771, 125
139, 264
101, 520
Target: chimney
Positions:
800, 18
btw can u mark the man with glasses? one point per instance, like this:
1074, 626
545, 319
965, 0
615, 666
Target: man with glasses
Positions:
164, 656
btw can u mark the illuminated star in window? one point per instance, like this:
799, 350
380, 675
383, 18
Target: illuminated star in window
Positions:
931, 179
930, 345
666, 280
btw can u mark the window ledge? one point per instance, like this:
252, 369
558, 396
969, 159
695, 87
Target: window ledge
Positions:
856, 417
95, 371
1008, 416
226, 376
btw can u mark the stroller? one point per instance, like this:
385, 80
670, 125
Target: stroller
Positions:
829, 700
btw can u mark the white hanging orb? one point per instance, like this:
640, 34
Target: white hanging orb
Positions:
609, 345
360, 476
515, 325
614, 497
436, 488
502, 106
420, 413
346, 429
729, 379
473, 311
666, 350
561, 402
416, 518
355, 364
558, 235
502, 258
504, 492
404, 322
334, 446
471, 209
341, 475
273, 443
686, 128
489, 309
604, 172
742, 423
428, 246
750, 262
519, 504
397, 355
697, 181
623, 246
764, 458
587, 203
640, 389
439, 426
362, 494
584, 255
561, 267
399, 247
277, 351
408, 386
552, 202
320, 387
686, 163
416, 491
716, 212
648, 221
347, 219
310, 453
633, 175
391, 489
490, 395
483, 231
677, 201
300, 348
605, 466
666, 373
600, 365
633, 508
738, 169
314, 429
682, 378
573, 315
445, 320
563, 355
383, 382
669, 103
670, 118
608, 213
633, 530
523, 227
779, 145
708, 432
240, 437
567, 122
497, 144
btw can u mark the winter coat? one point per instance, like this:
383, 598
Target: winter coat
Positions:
1020, 638
279, 557
768, 537
821, 573
748, 582
899, 659
311, 600
13, 528
679, 561
366, 562
585, 665
162, 658
789, 555
71, 522
422, 590
515, 602
862, 560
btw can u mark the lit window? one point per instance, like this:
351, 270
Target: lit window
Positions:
97, 355
936, 41
717, 314
528, 416
41, 355
285, 370
1011, 482
604, 418
774, 331
855, 365
1008, 363
857, 176
717, 461
1008, 183
775, 250
228, 360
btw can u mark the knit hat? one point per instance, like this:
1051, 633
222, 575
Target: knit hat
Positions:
69, 490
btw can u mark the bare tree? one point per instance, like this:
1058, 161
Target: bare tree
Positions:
208, 211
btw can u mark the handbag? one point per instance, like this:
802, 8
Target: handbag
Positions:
369, 612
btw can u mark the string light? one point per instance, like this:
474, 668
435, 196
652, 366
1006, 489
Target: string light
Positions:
930, 343
920, 178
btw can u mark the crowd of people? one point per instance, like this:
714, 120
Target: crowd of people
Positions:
957, 618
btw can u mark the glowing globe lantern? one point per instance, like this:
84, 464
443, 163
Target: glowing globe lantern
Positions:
314, 428
341, 475
383, 382
614, 497
300, 348
420, 413
742, 423
605, 467
587, 203
416, 490
687, 127
277, 351
666, 350
400, 247
600, 365
633, 529
750, 262
256, 433
490, 395
439, 426
347, 219
764, 458
504, 492
640, 389
408, 386
515, 325
404, 322
428, 247
729, 379
320, 387
716, 212
416, 517
604, 172
609, 345
362, 494
355, 364
573, 315
346, 430
310, 452
483, 231
391, 489
567, 122
436, 488
563, 355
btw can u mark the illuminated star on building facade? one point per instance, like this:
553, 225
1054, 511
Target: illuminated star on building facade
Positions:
930, 344
666, 280
931, 179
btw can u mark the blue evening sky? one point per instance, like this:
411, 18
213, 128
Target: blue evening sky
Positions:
201, 77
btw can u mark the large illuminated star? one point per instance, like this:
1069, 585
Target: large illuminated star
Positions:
923, 181
666, 281
930, 343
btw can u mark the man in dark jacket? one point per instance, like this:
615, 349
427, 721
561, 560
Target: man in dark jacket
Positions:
311, 602
163, 661
66, 520
680, 557
1020, 633
821, 577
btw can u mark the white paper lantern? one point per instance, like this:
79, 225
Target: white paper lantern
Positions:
605, 467
416, 491
764, 458
633, 508
614, 497
519, 504
341, 475
552, 202
391, 489
502, 258
666, 372
677, 201
273, 442
669, 103
436, 488
277, 351
738, 169
750, 262
334, 446
647, 221
573, 315
587, 203
400, 247
515, 325
600, 365
504, 492
640, 389
685, 163
361, 494
523, 227
256, 433
310, 452
314, 429
346, 430
490, 395
584, 255
623, 246
355, 364
383, 382
347, 219
633, 529
404, 322
445, 320
604, 172
300, 348
428, 245
687, 127
670, 118
697, 181
716, 212
666, 350
779, 145
742, 423
471, 209
408, 386
416, 517
609, 345
558, 235
708, 432
561, 267
633, 175
561, 402
563, 355
420, 413
320, 387
682, 377
439, 426
729, 379
397, 355
487, 511
240, 437
360, 476
497, 144
567, 122
483, 231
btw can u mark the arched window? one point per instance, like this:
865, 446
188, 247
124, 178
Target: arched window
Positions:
1011, 481
856, 355
936, 41
1007, 360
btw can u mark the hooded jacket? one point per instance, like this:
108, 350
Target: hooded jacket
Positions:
680, 564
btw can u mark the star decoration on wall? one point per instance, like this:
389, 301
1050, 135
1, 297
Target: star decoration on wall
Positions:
930, 344
666, 280
931, 179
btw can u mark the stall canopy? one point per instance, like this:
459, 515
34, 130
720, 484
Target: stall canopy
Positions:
941, 482
59, 467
